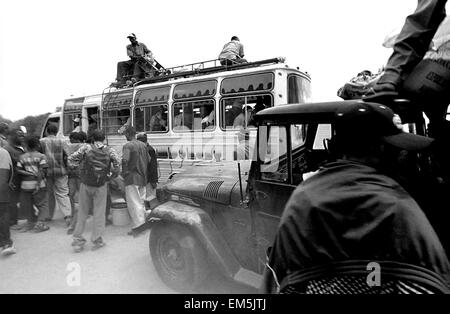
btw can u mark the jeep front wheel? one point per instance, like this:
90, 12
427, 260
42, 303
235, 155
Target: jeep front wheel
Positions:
178, 257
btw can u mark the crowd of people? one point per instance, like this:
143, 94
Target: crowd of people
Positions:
39, 177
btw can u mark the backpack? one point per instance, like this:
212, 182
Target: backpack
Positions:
96, 166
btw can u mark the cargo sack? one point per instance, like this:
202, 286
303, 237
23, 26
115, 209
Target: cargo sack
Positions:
358, 86
97, 166
430, 80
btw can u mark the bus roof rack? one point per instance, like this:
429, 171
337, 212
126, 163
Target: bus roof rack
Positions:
204, 67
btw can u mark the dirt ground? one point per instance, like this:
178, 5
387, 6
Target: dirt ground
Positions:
45, 263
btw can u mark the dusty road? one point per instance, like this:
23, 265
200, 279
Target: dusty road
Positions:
45, 263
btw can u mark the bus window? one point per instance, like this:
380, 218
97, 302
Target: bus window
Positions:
152, 95
194, 90
233, 115
247, 83
151, 118
299, 89
189, 116
115, 120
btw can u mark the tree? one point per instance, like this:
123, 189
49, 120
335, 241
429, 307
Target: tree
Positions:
33, 124
5, 120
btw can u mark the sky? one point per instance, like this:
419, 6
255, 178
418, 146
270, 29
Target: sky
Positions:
51, 50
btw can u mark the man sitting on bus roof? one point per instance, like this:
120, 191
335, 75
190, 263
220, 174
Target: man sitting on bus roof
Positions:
140, 63
232, 52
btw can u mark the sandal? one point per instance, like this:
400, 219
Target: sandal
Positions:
40, 227
27, 227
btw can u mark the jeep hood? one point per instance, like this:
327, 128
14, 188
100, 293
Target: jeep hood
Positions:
216, 182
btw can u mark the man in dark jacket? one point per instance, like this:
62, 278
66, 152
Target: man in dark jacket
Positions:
152, 179
15, 148
352, 210
135, 162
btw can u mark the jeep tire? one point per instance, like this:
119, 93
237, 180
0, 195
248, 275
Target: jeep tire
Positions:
178, 257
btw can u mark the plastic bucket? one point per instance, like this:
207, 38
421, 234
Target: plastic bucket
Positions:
120, 215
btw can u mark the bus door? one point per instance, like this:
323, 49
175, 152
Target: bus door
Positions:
91, 118
116, 113
115, 116
72, 111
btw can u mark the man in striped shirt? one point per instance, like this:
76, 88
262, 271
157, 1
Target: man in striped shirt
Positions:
57, 179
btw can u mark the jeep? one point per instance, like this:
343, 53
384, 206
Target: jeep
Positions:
223, 216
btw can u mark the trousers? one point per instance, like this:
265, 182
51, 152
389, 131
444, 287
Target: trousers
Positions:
94, 198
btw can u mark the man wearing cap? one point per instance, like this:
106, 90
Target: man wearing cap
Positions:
353, 210
77, 125
140, 61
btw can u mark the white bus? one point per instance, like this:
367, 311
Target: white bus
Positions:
203, 114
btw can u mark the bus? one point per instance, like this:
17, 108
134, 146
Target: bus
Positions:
200, 112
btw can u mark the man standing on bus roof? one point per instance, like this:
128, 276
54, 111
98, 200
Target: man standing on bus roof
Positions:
140, 63
232, 52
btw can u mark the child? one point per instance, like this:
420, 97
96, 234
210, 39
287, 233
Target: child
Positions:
32, 166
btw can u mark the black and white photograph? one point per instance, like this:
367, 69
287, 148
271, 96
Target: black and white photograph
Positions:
225, 152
